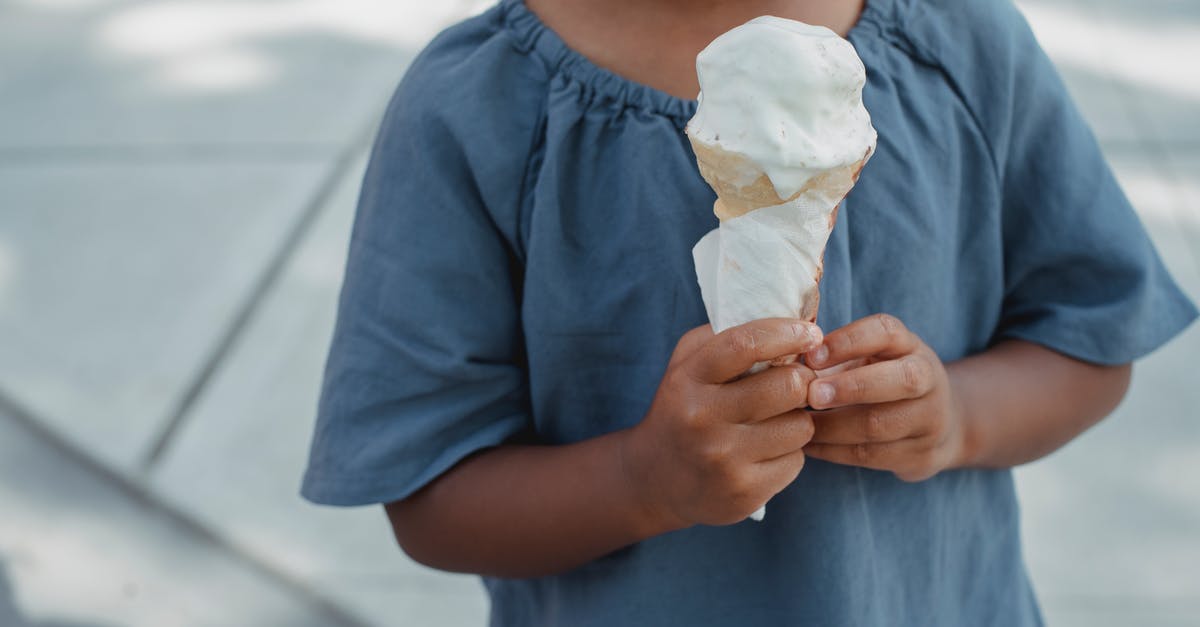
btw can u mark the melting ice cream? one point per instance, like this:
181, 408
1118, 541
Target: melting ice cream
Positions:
781, 135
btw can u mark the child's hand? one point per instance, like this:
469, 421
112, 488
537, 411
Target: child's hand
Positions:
889, 398
713, 449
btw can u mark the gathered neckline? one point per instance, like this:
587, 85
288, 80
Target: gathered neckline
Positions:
535, 37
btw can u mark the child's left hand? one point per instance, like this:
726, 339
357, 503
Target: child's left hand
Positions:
889, 400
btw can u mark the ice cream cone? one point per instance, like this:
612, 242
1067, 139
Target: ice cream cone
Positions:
780, 133
742, 187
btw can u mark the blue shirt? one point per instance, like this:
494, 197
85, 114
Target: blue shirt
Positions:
521, 266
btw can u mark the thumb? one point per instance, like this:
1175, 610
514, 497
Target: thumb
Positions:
690, 342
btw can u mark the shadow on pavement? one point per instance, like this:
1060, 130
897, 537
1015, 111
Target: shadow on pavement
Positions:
10, 614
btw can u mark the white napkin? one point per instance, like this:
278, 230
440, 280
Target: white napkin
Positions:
763, 264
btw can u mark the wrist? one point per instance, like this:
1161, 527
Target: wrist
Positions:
970, 437
647, 517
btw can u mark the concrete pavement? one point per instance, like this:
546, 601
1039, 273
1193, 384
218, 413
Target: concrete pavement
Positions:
177, 181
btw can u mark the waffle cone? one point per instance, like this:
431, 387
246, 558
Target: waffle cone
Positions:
728, 172
742, 187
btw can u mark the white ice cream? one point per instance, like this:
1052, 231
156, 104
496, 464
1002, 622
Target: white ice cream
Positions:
786, 95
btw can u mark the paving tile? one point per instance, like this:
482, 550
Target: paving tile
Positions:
258, 416
425, 601
1114, 514
1075, 38
116, 281
1151, 50
75, 551
82, 73
1144, 52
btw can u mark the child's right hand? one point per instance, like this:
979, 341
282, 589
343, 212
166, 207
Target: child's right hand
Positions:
714, 448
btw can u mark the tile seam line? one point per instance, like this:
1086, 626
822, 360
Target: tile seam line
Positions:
254, 299
142, 496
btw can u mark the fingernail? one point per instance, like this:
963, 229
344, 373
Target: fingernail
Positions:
819, 355
822, 393
802, 330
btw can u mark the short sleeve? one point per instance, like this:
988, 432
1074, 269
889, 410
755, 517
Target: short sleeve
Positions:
1081, 275
426, 362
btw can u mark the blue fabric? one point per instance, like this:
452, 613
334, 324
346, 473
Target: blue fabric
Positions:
521, 266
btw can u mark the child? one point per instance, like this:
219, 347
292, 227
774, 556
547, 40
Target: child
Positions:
523, 372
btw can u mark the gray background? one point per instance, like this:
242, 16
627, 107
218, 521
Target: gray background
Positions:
177, 181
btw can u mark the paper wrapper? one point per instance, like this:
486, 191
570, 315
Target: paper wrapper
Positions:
765, 260
763, 264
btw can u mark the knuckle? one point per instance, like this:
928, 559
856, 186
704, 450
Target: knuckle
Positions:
805, 427
862, 453
894, 331
928, 369
676, 380
856, 388
936, 431
874, 425
686, 398
682, 345
930, 427
902, 425
679, 378
892, 326
741, 490
742, 341
687, 370
797, 383
913, 375
716, 455
846, 342
693, 415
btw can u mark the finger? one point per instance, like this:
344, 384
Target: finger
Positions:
690, 341
842, 367
867, 424
734, 350
780, 472
878, 335
776, 437
765, 394
910, 376
878, 456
